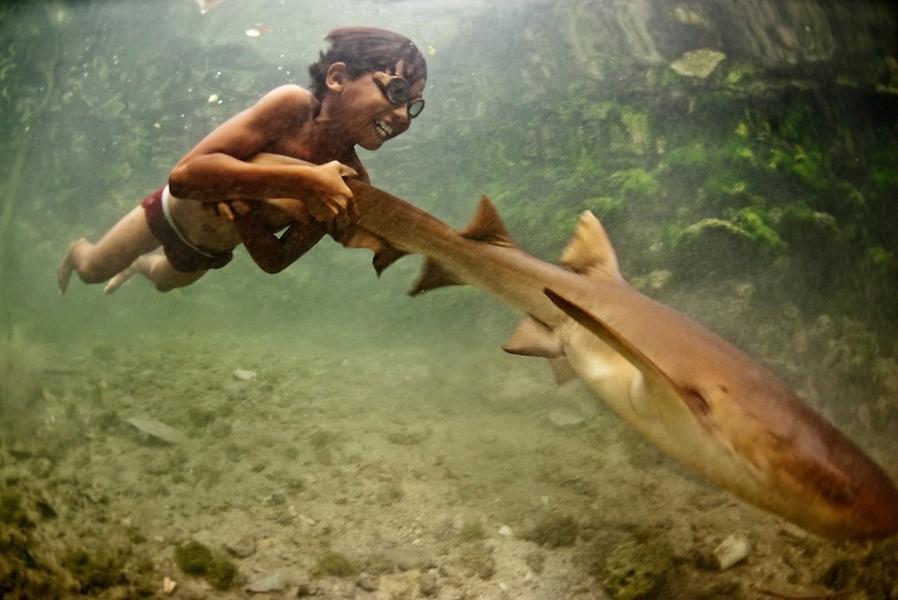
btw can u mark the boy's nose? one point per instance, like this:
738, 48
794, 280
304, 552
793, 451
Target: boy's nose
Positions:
401, 113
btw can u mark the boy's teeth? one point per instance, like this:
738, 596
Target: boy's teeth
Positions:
383, 129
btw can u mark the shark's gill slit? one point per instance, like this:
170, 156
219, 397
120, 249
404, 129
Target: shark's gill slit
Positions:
697, 403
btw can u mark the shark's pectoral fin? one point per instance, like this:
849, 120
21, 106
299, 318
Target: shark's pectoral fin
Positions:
433, 276
590, 251
356, 237
656, 383
533, 339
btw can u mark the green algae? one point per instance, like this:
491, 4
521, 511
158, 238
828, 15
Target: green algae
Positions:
636, 571
335, 564
194, 558
554, 531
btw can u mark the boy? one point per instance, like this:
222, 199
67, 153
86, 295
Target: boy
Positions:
366, 89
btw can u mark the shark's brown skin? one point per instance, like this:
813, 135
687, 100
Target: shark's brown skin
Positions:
693, 394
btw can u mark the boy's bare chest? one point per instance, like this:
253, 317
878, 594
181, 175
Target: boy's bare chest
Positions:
297, 148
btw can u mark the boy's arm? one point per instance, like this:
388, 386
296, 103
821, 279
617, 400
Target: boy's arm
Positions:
217, 168
271, 253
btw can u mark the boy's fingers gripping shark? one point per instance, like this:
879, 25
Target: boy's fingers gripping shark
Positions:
694, 395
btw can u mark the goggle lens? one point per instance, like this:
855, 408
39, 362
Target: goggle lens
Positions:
415, 108
397, 91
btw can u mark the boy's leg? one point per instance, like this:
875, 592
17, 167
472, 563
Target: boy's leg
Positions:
94, 263
157, 269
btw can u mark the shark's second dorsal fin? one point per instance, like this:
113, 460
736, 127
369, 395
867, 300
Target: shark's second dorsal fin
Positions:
590, 251
486, 226
433, 276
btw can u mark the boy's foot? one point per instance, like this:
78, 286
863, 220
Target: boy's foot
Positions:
119, 279
64, 272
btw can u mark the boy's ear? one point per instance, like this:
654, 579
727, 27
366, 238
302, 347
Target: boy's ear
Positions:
337, 75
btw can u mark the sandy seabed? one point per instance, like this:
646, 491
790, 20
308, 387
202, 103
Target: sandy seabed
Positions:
333, 470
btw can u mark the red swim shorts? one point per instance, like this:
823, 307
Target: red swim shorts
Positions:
182, 256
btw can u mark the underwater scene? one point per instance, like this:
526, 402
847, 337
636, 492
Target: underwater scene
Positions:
459, 299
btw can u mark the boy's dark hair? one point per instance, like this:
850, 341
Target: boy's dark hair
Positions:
366, 49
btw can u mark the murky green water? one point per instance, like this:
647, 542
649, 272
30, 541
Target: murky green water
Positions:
350, 441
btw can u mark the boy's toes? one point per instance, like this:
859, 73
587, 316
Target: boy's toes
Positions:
64, 272
63, 275
118, 281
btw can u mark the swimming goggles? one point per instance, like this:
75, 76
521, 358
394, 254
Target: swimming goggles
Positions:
397, 91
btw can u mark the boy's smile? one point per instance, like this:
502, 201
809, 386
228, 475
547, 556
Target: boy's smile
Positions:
383, 129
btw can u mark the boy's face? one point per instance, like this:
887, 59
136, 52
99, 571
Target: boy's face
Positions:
367, 114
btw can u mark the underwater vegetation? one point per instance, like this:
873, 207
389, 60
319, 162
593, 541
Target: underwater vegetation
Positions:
634, 571
335, 564
194, 558
779, 173
554, 531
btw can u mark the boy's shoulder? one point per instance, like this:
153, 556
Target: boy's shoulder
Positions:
292, 91
290, 98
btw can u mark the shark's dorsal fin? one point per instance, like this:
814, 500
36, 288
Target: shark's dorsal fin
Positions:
562, 370
533, 339
433, 276
486, 226
590, 251
654, 377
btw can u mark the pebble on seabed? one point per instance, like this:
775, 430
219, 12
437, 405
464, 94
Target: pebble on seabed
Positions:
731, 551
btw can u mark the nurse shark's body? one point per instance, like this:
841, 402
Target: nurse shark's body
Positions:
694, 395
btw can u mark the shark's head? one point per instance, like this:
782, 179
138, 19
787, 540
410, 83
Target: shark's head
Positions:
803, 468
709, 405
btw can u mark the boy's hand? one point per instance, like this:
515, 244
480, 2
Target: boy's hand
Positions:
333, 202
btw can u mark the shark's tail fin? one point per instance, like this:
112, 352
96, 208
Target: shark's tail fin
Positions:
486, 226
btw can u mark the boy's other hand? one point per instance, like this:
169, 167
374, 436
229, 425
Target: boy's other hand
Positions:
226, 210
333, 202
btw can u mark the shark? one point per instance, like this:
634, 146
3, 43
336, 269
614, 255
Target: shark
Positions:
697, 397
